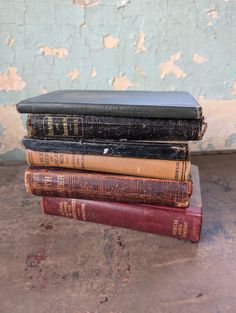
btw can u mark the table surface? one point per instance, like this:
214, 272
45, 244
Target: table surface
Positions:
53, 264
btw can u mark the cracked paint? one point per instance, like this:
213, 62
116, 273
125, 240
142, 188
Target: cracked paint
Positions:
121, 45
10, 139
93, 72
233, 90
11, 81
140, 46
10, 42
58, 52
199, 58
218, 115
110, 42
86, 3
121, 83
43, 91
139, 71
212, 14
123, 3
169, 67
74, 74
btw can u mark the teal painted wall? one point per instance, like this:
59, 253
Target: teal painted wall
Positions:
122, 44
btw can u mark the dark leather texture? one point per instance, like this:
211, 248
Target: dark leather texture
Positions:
147, 150
115, 128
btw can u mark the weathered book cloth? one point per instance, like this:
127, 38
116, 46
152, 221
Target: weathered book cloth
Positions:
67, 183
138, 149
116, 128
144, 104
171, 221
154, 168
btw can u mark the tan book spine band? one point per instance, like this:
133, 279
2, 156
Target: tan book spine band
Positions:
153, 168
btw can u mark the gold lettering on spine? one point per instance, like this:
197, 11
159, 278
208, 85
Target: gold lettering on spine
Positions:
73, 208
83, 212
57, 159
177, 170
76, 127
69, 210
65, 126
175, 227
36, 180
60, 182
180, 230
50, 131
185, 229
61, 208
41, 158
47, 181
79, 122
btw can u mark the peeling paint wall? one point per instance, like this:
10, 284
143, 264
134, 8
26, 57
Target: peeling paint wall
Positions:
119, 44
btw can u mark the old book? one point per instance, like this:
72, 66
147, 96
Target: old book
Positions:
144, 104
115, 128
170, 221
164, 169
106, 187
133, 149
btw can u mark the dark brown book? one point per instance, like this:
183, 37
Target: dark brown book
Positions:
106, 187
113, 128
176, 222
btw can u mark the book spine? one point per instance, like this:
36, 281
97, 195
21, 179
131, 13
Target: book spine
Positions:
164, 169
107, 187
138, 149
137, 111
179, 223
115, 128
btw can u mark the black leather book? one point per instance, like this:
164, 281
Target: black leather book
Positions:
139, 149
143, 104
114, 128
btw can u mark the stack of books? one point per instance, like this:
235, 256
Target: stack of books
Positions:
116, 158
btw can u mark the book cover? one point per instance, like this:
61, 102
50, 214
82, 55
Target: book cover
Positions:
170, 221
106, 187
138, 149
154, 168
144, 104
80, 127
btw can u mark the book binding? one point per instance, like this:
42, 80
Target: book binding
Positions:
165, 169
143, 104
107, 187
133, 149
113, 128
175, 222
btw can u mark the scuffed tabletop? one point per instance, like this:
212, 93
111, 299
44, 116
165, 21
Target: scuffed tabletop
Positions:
51, 264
